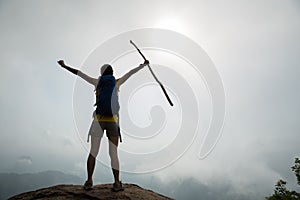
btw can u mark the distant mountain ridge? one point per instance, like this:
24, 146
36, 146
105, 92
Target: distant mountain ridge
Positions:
14, 183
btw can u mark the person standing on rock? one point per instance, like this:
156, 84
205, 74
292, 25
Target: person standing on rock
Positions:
105, 117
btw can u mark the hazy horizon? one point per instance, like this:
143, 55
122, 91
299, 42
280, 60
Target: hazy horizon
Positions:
254, 46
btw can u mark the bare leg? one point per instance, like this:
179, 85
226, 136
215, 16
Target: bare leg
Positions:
113, 153
90, 167
95, 145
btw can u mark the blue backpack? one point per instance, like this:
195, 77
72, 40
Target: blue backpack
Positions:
107, 100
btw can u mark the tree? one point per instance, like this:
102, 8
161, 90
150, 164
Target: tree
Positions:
280, 191
296, 169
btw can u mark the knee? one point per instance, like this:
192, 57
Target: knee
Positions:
94, 152
113, 154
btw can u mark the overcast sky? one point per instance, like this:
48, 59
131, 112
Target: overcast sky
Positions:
254, 45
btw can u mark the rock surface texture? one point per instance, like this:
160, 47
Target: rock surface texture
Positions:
77, 192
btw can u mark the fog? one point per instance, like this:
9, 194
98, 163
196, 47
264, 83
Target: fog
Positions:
253, 46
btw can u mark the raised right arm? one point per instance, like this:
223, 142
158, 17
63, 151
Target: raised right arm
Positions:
77, 72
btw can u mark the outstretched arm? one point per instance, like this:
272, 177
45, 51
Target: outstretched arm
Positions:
124, 78
78, 72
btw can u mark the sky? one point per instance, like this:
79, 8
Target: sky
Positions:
253, 45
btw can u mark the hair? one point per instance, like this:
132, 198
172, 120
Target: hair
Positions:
106, 69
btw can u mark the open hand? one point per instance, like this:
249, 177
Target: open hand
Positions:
145, 63
61, 63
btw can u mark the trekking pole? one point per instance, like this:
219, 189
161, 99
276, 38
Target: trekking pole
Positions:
161, 85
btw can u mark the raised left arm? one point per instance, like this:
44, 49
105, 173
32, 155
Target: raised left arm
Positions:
124, 78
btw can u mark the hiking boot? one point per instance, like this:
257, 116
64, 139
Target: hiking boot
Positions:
88, 185
118, 187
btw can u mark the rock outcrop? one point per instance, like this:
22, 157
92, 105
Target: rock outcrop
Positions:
76, 192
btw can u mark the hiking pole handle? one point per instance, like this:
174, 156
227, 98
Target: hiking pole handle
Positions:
160, 84
145, 60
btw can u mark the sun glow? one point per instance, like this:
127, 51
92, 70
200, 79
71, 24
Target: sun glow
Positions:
173, 23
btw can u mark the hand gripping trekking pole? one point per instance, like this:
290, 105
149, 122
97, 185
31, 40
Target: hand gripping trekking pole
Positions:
161, 85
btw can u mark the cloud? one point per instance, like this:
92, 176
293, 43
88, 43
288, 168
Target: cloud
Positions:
254, 44
24, 160
23, 164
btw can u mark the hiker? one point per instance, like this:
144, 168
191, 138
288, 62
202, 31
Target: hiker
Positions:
105, 117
